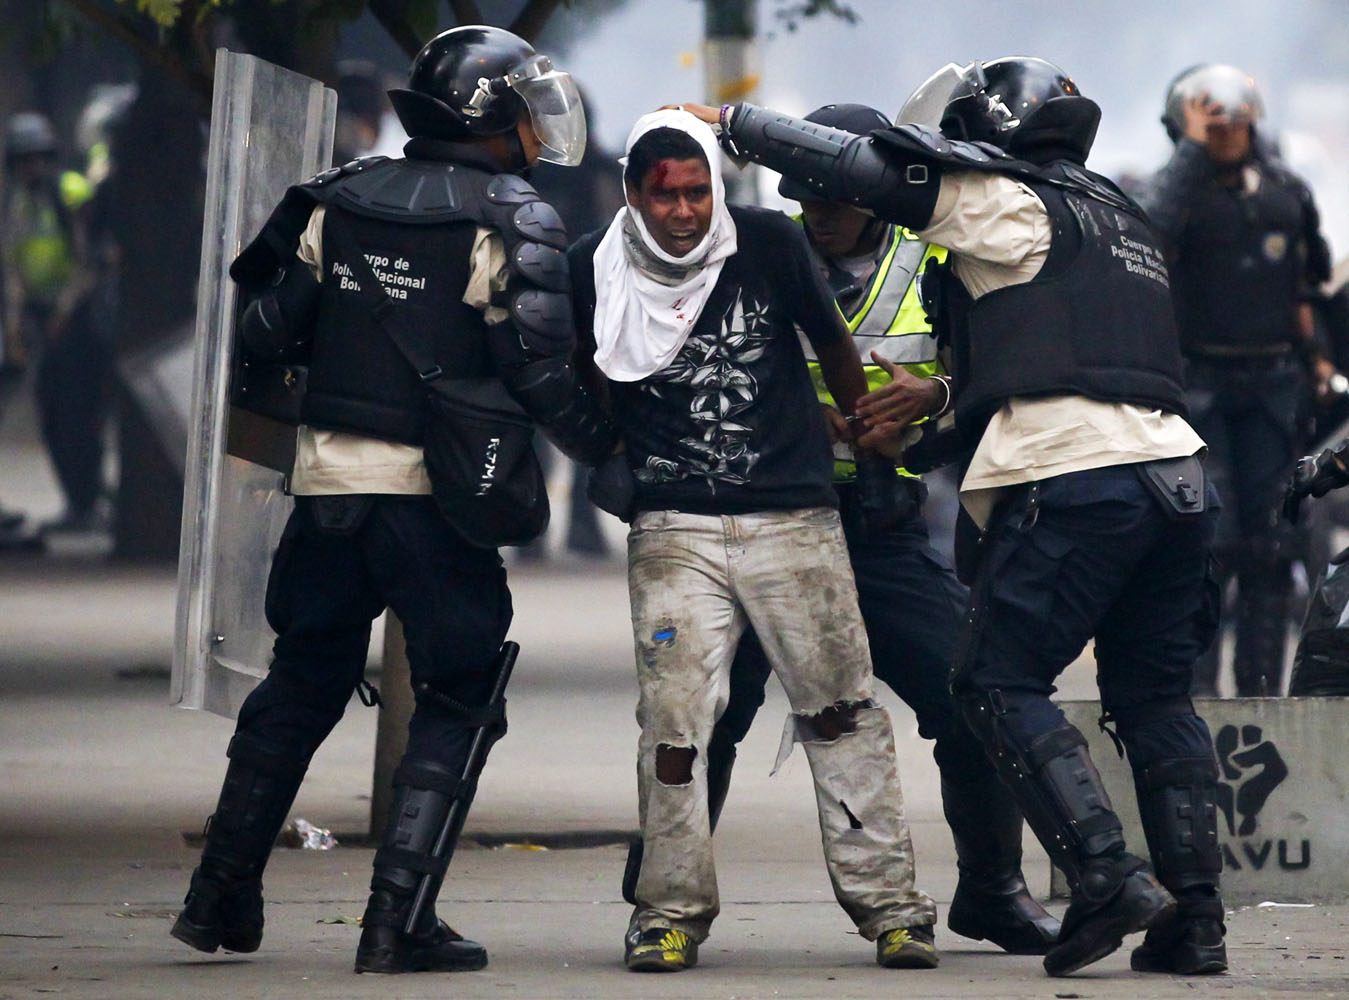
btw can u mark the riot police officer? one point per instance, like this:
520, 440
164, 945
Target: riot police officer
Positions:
1244, 253
1095, 517
467, 256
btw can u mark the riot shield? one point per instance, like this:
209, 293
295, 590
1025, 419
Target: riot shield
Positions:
270, 128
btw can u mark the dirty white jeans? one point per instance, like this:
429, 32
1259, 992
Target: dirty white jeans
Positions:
694, 581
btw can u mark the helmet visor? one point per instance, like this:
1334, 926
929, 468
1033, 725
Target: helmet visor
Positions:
926, 104
554, 109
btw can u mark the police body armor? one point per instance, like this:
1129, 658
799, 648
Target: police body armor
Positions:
1102, 294
1239, 267
1103, 290
416, 221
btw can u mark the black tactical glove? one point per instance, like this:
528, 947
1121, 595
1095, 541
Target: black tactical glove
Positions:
611, 487
1314, 476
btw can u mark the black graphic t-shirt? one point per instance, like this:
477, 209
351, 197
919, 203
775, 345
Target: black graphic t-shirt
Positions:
732, 424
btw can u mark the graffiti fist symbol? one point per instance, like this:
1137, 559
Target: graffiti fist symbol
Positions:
1251, 770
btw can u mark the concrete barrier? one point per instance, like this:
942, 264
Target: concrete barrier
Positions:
1283, 818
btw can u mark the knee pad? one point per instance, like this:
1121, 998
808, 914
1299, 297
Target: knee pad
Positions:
1053, 779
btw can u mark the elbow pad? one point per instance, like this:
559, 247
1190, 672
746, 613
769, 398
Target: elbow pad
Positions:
550, 392
838, 165
280, 320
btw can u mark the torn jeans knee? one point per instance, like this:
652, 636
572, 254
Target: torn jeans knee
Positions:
825, 726
674, 765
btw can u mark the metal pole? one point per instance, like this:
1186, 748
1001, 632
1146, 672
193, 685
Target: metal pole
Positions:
731, 71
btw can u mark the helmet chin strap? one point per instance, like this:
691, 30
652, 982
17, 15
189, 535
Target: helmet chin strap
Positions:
519, 162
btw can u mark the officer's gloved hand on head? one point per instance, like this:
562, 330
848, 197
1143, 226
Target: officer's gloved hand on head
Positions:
1314, 476
611, 487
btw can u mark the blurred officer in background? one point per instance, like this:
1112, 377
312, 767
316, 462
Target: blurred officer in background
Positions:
1245, 254
1096, 523
48, 286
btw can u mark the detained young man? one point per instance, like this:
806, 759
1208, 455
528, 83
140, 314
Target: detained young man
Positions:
689, 310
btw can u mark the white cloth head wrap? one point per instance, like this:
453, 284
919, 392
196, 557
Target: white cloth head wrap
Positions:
642, 322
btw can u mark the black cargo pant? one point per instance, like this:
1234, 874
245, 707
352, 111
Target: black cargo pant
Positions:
341, 562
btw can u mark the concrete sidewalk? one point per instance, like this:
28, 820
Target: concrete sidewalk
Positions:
103, 779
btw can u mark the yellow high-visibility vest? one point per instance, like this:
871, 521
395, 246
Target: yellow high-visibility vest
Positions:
889, 319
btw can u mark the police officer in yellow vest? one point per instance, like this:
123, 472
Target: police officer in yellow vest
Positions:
910, 599
46, 286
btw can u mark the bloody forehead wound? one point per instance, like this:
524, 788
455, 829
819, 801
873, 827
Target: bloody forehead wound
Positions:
655, 148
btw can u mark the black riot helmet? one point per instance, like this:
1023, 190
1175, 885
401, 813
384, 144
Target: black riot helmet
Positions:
855, 118
1026, 106
475, 81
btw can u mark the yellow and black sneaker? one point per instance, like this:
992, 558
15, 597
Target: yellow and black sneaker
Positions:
660, 949
908, 948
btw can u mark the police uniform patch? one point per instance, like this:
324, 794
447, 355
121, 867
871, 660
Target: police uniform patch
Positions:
1275, 247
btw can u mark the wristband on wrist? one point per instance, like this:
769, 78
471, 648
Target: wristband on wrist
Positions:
945, 383
724, 117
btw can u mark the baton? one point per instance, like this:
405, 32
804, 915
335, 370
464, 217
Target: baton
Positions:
473, 764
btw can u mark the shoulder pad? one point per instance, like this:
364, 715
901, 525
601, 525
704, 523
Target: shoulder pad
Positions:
928, 141
1083, 181
403, 191
325, 177
522, 214
538, 222
510, 189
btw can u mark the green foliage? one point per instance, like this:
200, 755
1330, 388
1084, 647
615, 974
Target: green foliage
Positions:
164, 13
423, 17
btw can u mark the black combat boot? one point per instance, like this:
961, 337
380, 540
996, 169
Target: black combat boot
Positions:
1177, 801
223, 907
1056, 784
1113, 896
992, 900
720, 761
424, 794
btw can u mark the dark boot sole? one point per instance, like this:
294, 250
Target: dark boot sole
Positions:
1109, 934
396, 967
205, 939
1025, 939
209, 938
1181, 962
393, 963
